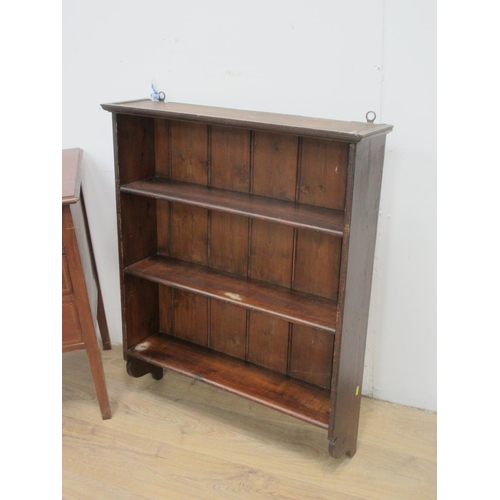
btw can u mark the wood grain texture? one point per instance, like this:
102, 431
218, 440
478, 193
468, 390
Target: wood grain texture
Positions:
271, 253
230, 158
259, 207
268, 341
323, 173
181, 439
275, 165
135, 151
268, 387
294, 306
228, 328
255, 120
311, 355
189, 233
363, 198
229, 243
317, 263
189, 152
190, 317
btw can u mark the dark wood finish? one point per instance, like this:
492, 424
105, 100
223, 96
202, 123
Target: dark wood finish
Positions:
252, 120
228, 324
246, 252
323, 180
258, 207
229, 243
315, 253
189, 152
311, 355
281, 302
275, 165
189, 240
77, 321
137, 368
363, 193
190, 317
294, 397
230, 153
268, 341
271, 253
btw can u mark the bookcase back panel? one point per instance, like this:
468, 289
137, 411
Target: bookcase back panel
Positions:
323, 173
190, 317
189, 152
275, 165
268, 341
138, 228
229, 242
230, 158
304, 260
317, 263
228, 328
311, 355
271, 253
283, 166
189, 233
141, 319
302, 352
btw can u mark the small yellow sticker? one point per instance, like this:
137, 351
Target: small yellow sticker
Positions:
357, 390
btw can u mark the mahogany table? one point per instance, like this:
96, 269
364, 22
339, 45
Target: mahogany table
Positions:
78, 330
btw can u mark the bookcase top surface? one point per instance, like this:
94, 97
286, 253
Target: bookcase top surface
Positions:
258, 120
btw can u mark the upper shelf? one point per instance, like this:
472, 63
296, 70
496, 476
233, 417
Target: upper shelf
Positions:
285, 212
256, 120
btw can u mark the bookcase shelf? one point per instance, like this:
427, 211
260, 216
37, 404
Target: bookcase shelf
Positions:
259, 207
246, 244
281, 392
293, 306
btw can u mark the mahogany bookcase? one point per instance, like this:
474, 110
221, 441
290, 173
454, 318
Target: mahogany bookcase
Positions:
246, 245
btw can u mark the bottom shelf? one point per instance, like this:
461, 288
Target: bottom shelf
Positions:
275, 390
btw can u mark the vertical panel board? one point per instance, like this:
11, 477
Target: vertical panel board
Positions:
228, 328
189, 233
138, 228
229, 243
268, 341
141, 310
323, 173
317, 263
312, 355
135, 146
163, 226
162, 167
189, 152
230, 162
165, 304
275, 165
271, 252
190, 317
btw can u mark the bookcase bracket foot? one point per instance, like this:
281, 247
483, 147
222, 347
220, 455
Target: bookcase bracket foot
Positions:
137, 368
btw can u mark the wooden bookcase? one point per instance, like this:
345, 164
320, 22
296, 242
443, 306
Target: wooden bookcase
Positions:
246, 253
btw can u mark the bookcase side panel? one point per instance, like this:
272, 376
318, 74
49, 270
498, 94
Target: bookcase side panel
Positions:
354, 293
135, 150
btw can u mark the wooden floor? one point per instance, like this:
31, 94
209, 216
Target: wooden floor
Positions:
179, 438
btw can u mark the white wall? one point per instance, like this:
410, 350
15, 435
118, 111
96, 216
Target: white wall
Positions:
327, 59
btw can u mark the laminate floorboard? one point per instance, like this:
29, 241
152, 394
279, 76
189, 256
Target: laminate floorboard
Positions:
179, 438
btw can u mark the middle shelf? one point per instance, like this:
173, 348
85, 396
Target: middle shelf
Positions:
294, 306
